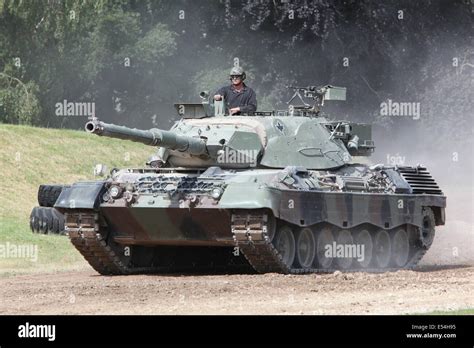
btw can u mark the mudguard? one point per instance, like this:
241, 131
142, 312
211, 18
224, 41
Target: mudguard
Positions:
81, 195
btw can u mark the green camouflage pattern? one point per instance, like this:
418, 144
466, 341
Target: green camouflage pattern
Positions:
244, 182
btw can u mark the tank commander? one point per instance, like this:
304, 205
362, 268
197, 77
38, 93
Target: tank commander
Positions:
239, 98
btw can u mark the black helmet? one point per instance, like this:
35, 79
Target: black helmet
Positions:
237, 70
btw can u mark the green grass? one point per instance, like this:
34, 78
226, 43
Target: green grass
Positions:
466, 311
31, 156
54, 253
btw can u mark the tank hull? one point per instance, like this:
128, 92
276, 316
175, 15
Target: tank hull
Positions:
165, 225
256, 218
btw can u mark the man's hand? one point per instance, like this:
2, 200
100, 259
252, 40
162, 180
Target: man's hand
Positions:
217, 97
234, 110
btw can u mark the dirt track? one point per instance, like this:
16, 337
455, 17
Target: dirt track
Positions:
430, 288
443, 281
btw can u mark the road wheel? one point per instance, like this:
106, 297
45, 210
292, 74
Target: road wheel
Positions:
324, 239
43, 220
46, 220
34, 220
400, 248
284, 242
344, 239
305, 247
57, 222
48, 194
364, 238
383, 248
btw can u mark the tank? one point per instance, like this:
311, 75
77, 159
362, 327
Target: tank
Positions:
287, 191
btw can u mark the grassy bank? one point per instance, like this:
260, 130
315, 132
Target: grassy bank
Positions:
30, 156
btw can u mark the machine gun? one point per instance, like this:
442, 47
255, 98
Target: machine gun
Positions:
318, 94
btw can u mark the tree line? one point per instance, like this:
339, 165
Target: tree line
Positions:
134, 58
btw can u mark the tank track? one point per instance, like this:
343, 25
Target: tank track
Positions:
252, 233
83, 231
85, 234
252, 236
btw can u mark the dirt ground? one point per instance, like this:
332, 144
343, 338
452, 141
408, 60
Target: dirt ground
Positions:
443, 281
85, 292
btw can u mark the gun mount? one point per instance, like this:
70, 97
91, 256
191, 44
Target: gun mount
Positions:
318, 94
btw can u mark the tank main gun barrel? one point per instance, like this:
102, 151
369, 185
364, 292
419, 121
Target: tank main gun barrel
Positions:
152, 137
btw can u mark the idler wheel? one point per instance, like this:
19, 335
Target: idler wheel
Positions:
427, 228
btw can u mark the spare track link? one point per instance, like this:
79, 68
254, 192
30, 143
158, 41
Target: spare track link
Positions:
250, 233
83, 230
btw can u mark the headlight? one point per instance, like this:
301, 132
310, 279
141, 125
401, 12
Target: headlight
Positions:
115, 192
105, 197
216, 193
129, 197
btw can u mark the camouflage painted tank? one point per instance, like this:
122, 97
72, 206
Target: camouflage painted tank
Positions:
280, 191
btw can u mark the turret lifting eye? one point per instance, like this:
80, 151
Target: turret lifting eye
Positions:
222, 141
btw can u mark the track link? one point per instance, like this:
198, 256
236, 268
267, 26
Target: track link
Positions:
250, 230
250, 233
83, 231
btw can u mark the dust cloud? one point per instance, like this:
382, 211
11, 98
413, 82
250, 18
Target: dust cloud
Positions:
450, 162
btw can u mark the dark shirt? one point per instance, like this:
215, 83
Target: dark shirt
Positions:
246, 99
